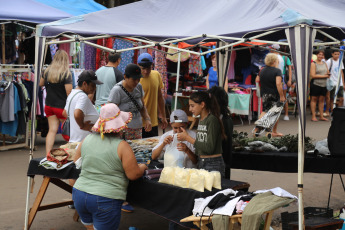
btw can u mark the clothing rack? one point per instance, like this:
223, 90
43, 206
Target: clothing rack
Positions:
12, 69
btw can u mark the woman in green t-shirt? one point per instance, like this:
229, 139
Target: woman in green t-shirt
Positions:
210, 132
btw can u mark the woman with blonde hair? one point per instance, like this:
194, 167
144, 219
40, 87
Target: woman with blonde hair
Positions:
270, 78
57, 80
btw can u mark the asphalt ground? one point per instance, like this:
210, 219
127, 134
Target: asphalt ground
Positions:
14, 163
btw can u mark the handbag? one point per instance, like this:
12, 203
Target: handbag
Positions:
65, 127
131, 97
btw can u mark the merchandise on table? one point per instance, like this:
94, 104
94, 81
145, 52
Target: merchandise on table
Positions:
197, 179
143, 148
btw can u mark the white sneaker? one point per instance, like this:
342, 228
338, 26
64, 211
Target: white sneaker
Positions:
286, 118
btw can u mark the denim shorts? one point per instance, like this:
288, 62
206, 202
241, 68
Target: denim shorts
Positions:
102, 212
212, 164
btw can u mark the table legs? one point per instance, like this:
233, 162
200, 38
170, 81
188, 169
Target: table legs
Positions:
37, 203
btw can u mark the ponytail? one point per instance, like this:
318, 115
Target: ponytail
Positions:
211, 105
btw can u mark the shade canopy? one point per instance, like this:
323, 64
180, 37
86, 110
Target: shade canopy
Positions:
74, 7
158, 20
29, 11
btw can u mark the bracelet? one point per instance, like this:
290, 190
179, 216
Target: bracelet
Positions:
147, 119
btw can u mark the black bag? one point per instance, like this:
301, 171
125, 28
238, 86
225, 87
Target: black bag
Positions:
336, 133
65, 127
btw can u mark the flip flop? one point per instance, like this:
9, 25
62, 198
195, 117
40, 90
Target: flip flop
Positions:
323, 119
314, 120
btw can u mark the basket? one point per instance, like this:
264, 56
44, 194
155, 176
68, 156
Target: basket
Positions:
309, 212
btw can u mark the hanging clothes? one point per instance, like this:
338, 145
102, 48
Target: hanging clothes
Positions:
90, 57
101, 55
231, 70
53, 49
160, 64
126, 57
66, 47
10, 127
82, 56
195, 65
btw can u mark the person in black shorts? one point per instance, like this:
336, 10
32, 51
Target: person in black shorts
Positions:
270, 78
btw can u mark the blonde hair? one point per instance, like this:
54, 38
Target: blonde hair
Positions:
59, 68
271, 59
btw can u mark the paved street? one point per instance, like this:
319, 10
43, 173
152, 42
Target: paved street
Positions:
14, 163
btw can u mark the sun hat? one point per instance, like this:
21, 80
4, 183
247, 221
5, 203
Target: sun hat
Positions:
145, 60
178, 116
89, 76
133, 71
111, 120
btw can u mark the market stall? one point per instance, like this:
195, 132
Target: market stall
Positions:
153, 195
299, 21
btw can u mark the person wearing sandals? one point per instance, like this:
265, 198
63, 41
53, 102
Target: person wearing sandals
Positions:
108, 163
319, 74
270, 78
128, 94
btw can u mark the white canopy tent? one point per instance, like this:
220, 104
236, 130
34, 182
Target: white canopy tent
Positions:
159, 23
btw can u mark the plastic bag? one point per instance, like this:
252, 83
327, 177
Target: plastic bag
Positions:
181, 177
209, 178
196, 181
217, 180
167, 175
173, 157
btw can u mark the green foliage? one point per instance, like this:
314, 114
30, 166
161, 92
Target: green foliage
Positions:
241, 139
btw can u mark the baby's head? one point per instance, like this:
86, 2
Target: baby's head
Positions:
178, 120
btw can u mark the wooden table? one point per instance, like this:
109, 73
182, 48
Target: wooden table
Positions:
50, 176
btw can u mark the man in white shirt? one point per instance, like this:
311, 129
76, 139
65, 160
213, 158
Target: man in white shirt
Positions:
333, 66
79, 108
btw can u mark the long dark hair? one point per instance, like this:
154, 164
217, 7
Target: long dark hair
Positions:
211, 105
222, 99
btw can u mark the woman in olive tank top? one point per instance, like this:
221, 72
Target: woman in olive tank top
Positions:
319, 74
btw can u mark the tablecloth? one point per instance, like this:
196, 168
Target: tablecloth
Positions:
286, 162
239, 103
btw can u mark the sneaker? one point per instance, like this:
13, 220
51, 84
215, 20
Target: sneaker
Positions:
71, 206
127, 208
286, 118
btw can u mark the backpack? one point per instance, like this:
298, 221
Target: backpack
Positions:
336, 133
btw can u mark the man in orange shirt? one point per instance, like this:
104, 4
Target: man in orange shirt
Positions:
153, 98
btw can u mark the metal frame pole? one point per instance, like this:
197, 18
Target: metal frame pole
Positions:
177, 79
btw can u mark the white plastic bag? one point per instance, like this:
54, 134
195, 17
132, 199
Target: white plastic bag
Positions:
181, 177
217, 183
167, 175
173, 157
209, 178
196, 181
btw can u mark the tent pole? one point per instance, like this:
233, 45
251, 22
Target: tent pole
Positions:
179, 40
3, 44
327, 35
183, 50
177, 78
300, 178
220, 48
326, 43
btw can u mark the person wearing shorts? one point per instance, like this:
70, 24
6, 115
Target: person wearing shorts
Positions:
57, 80
270, 78
319, 74
334, 64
